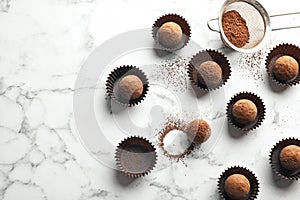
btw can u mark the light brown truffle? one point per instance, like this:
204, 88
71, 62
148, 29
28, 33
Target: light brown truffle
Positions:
290, 157
169, 35
286, 68
244, 111
209, 73
237, 186
198, 131
130, 87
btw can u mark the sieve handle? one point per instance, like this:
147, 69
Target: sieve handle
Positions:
210, 27
285, 14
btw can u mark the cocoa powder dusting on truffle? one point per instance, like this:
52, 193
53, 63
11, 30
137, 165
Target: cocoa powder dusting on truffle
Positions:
173, 74
235, 28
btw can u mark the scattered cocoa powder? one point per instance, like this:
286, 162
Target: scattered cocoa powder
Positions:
252, 65
235, 28
172, 73
168, 127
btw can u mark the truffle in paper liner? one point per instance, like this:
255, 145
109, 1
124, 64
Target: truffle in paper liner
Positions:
113, 81
275, 162
185, 27
208, 55
254, 184
283, 50
261, 111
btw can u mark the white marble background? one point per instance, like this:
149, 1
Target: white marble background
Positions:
43, 44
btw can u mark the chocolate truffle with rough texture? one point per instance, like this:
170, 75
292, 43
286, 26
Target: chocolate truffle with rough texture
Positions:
285, 68
169, 35
237, 187
290, 157
209, 73
198, 131
130, 87
244, 111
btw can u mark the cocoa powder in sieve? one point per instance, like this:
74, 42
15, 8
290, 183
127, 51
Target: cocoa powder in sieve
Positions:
235, 28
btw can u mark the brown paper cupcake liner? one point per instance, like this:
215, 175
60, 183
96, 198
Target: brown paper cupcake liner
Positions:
283, 50
135, 157
115, 76
208, 55
275, 162
186, 30
261, 111
254, 190
168, 128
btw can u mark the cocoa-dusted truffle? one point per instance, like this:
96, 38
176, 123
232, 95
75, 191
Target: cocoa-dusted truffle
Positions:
130, 87
169, 35
244, 111
285, 68
198, 131
290, 157
209, 73
237, 186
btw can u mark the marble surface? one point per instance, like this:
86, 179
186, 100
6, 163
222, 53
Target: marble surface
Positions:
44, 44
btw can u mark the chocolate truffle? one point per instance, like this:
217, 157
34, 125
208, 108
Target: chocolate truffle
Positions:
169, 35
198, 131
285, 68
244, 111
130, 87
209, 73
237, 186
290, 157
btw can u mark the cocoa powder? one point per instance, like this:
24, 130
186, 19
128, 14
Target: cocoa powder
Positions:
235, 28
253, 65
172, 73
168, 127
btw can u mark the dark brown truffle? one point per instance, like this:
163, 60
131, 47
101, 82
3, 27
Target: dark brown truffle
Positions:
244, 111
130, 87
169, 35
209, 73
290, 157
237, 186
285, 68
198, 131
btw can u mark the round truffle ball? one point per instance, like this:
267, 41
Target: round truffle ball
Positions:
209, 73
130, 87
198, 131
169, 35
290, 157
237, 186
285, 68
244, 111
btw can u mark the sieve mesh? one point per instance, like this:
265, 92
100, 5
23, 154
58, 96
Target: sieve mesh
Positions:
254, 19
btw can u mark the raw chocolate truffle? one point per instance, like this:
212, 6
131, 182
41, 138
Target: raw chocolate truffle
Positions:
209, 73
290, 157
285, 68
198, 131
237, 186
244, 111
169, 35
130, 87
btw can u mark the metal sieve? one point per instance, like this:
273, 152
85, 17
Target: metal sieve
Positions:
258, 23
